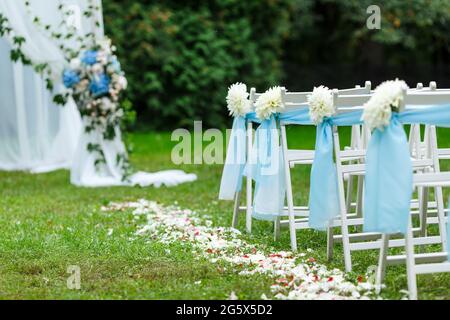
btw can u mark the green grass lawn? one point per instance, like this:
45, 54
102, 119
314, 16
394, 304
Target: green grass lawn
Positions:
48, 224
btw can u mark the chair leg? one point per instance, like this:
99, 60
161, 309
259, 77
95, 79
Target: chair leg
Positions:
330, 243
237, 200
441, 216
342, 206
249, 187
348, 201
289, 195
346, 246
423, 208
248, 216
293, 237
381, 270
410, 263
359, 197
276, 229
290, 203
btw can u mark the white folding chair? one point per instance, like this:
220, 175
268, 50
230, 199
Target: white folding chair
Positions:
418, 147
288, 99
247, 207
422, 263
298, 215
355, 241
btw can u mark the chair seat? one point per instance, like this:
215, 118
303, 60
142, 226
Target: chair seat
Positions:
433, 179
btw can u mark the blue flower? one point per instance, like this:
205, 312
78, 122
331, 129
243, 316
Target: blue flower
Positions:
70, 78
99, 85
89, 57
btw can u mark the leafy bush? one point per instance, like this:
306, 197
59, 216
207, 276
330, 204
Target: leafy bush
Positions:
180, 57
413, 43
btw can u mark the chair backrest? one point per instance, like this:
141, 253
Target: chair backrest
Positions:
296, 101
347, 103
417, 145
293, 100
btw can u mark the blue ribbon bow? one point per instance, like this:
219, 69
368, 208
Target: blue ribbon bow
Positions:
324, 195
389, 173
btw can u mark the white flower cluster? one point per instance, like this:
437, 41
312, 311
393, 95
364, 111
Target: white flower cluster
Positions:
295, 276
269, 103
387, 97
320, 104
237, 100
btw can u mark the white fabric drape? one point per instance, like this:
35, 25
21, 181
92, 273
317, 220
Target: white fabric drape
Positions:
85, 173
39, 136
35, 134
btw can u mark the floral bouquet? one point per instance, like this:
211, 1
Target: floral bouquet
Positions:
387, 98
95, 80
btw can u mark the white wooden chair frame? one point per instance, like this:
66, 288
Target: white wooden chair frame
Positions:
423, 263
364, 240
293, 157
419, 147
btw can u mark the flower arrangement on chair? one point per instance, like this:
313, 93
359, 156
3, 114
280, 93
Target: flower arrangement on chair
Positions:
269, 103
238, 103
320, 104
385, 100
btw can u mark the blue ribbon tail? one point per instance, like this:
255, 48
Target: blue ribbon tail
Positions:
235, 161
268, 172
323, 197
389, 180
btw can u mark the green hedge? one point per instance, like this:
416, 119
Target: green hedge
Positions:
338, 50
180, 56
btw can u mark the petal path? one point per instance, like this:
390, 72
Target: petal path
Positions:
296, 276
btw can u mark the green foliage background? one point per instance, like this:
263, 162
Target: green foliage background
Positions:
180, 56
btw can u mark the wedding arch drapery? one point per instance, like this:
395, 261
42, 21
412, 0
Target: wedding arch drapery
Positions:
39, 136
85, 173
36, 134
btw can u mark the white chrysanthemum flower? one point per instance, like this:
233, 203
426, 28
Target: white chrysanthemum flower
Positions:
387, 97
320, 104
237, 100
269, 103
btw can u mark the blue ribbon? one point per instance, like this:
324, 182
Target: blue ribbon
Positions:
389, 174
267, 165
266, 168
388, 182
324, 196
236, 158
